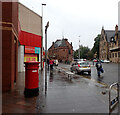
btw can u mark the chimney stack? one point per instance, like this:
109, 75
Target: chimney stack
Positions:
116, 29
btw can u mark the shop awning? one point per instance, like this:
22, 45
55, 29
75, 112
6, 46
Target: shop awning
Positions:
30, 39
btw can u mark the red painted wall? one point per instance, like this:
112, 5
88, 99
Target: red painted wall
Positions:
30, 39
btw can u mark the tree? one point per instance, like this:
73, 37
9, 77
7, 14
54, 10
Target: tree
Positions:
85, 53
96, 45
90, 55
84, 50
76, 54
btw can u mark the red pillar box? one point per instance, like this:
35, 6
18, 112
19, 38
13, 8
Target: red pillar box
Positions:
31, 79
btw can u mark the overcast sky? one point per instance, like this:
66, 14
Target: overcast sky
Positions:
76, 19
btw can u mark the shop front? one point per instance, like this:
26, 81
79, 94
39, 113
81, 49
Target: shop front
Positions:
29, 49
30, 37
31, 54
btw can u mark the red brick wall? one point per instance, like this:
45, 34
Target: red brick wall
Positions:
62, 53
7, 11
10, 13
6, 60
15, 15
9, 45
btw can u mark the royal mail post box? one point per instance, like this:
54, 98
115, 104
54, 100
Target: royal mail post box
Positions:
31, 79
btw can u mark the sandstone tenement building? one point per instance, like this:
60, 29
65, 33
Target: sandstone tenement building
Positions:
109, 45
114, 47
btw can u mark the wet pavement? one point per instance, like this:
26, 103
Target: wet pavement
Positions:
79, 95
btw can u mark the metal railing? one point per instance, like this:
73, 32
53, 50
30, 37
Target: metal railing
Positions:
113, 102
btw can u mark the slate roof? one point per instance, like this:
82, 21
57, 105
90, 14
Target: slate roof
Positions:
109, 34
60, 43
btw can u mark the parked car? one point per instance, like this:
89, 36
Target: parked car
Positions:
77, 60
80, 67
102, 61
56, 62
106, 61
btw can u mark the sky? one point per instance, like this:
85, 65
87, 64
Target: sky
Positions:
75, 19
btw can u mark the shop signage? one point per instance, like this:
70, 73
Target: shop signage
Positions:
30, 49
30, 57
37, 50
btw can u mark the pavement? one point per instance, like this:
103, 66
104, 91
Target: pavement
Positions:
79, 95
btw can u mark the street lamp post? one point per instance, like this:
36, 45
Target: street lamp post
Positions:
79, 49
42, 38
46, 27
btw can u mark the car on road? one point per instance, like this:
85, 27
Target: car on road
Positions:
77, 60
106, 61
56, 62
81, 67
102, 61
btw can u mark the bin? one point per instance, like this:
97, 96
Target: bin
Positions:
31, 79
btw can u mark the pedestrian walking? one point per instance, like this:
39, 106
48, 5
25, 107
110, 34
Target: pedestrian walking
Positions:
93, 62
48, 63
51, 62
99, 68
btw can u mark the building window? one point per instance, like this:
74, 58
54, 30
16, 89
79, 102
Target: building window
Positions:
115, 54
69, 51
118, 54
110, 55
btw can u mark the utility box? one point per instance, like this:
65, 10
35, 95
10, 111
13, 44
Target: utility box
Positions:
31, 79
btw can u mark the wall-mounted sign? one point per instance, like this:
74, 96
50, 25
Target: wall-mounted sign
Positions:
30, 49
37, 50
30, 57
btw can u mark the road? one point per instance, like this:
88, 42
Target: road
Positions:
110, 74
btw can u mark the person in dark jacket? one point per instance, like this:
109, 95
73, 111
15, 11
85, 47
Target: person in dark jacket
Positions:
99, 68
48, 63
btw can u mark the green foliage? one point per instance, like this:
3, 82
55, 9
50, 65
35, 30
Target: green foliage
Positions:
84, 50
86, 53
90, 55
96, 45
76, 54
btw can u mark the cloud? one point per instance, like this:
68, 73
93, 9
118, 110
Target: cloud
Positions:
72, 18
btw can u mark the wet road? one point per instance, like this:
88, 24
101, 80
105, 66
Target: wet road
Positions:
110, 74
